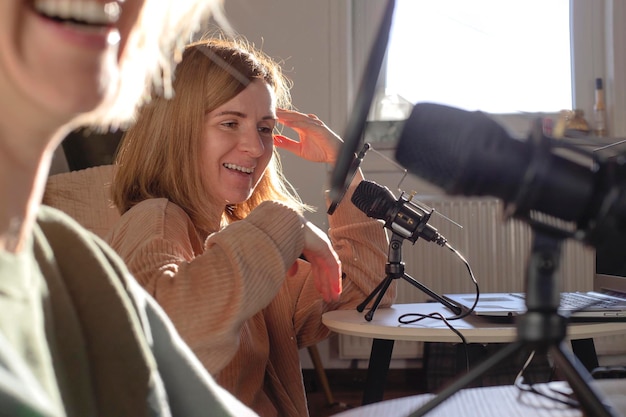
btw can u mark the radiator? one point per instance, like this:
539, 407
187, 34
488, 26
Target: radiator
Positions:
497, 252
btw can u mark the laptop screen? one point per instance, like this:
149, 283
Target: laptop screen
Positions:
610, 273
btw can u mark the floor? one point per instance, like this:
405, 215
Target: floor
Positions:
347, 385
347, 389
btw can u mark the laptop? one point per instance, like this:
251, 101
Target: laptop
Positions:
607, 301
594, 305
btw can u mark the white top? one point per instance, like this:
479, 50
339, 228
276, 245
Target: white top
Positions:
385, 325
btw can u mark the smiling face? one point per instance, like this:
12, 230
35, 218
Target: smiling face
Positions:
237, 144
62, 58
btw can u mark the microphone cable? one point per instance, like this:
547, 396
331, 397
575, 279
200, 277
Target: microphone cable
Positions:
554, 394
411, 318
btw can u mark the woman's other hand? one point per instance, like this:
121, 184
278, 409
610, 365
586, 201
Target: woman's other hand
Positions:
317, 143
325, 264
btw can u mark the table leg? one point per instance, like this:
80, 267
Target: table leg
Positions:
585, 351
467, 356
377, 370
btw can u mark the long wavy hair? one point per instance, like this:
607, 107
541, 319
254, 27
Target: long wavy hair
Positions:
159, 155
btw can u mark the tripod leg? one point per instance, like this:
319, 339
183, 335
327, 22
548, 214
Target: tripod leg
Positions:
369, 298
370, 314
456, 309
579, 380
466, 379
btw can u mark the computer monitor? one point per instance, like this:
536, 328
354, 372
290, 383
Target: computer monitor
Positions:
610, 271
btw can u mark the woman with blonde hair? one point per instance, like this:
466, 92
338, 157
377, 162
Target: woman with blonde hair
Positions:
210, 227
78, 336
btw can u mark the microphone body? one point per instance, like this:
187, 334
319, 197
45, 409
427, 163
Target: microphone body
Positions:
467, 153
401, 216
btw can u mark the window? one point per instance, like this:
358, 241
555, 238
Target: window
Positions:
514, 58
489, 55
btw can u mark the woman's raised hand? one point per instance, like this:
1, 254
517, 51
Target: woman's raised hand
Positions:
317, 143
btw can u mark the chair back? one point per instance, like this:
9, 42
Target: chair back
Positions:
85, 196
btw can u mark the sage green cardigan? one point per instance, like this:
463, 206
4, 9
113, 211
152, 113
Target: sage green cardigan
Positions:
78, 336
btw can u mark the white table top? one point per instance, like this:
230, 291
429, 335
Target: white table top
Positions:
385, 325
494, 402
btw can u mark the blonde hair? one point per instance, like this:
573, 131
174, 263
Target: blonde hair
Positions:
154, 48
159, 155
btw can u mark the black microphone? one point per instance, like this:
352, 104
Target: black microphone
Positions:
402, 216
468, 153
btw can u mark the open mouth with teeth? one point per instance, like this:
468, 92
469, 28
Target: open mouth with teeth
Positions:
239, 168
88, 13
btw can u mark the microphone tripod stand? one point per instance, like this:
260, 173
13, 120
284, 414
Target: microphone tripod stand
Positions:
394, 269
540, 328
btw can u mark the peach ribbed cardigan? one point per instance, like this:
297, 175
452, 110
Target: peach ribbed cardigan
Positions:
230, 297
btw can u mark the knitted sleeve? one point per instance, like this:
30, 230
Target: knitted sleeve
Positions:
210, 291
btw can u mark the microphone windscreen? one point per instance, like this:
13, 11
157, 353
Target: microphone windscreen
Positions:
468, 153
459, 150
372, 199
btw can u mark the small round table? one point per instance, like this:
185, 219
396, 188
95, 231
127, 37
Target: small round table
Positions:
384, 329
